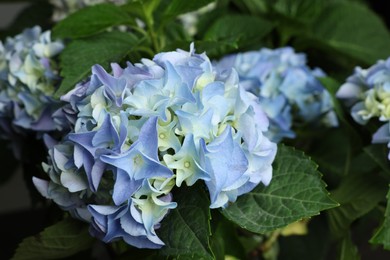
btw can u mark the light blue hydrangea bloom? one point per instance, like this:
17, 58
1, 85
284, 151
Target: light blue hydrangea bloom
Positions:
288, 90
147, 129
368, 92
28, 78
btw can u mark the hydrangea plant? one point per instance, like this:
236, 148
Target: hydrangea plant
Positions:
289, 91
151, 127
368, 92
28, 79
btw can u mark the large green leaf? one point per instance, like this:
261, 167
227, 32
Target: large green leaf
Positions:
91, 20
353, 30
358, 194
79, 56
382, 236
296, 191
63, 239
186, 230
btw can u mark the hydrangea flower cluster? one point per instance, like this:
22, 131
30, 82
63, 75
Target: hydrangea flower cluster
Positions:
28, 78
368, 92
148, 128
288, 90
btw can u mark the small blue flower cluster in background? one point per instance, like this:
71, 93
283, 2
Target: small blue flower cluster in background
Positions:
368, 92
28, 77
288, 90
145, 129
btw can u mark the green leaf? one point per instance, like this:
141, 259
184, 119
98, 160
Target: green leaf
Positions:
91, 20
60, 240
242, 28
378, 153
177, 7
295, 192
353, 30
358, 194
186, 230
79, 56
382, 236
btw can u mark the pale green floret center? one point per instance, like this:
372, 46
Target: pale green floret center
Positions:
377, 103
138, 161
162, 136
187, 164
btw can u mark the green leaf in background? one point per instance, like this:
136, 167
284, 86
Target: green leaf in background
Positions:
353, 30
358, 194
382, 236
60, 240
378, 154
295, 192
91, 20
177, 7
243, 29
186, 230
79, 56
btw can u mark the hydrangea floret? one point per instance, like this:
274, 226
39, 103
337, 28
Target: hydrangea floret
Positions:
147, 129
289, 91
367, 91
28, 79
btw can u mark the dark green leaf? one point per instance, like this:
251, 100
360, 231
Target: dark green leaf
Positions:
63, 239
79, 56
91, 20
186, 230
382, 236
353, 30
243, 29
296, 191
358, 194
177, 7
379, 154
